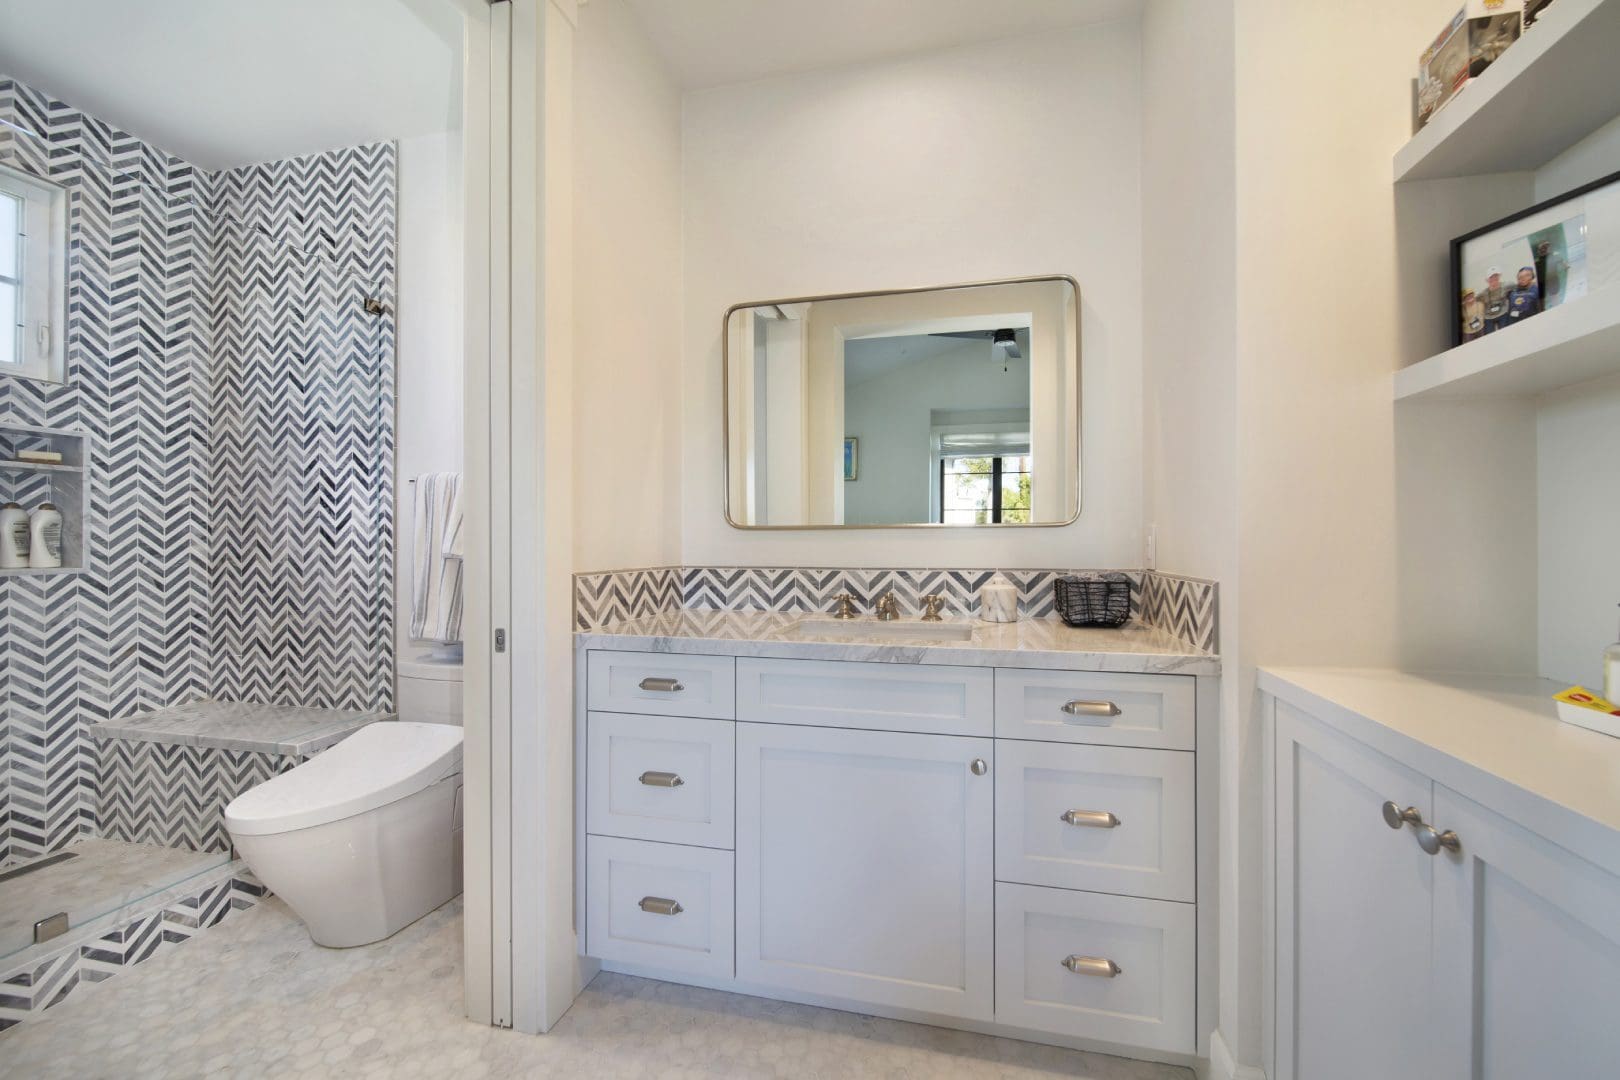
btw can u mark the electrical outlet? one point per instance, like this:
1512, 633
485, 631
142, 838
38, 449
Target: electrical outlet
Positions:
1150, 556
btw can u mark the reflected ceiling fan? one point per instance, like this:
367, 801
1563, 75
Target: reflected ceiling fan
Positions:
1003, 341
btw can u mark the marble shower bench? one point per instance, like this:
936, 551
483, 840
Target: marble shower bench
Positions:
165, 776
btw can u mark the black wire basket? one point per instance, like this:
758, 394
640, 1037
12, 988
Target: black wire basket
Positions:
1104, 600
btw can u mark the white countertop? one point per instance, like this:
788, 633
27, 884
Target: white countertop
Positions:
1494, 739
1030, 643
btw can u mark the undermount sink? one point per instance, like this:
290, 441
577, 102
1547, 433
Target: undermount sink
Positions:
908, 629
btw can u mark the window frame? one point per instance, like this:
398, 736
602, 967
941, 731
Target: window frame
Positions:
997, 472
41, 283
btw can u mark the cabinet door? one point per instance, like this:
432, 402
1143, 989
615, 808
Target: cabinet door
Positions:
1353, 906
865, 866
1527, 952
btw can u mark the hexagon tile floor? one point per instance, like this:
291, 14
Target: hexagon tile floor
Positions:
254, 997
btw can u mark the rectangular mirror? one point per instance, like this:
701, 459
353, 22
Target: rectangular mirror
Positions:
950, 406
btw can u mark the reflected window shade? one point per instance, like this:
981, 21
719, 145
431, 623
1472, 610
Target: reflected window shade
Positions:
984, 444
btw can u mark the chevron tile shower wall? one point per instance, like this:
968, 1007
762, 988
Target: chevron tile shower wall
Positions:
206, 417
303, 411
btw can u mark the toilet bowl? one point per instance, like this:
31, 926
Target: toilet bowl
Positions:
364, 838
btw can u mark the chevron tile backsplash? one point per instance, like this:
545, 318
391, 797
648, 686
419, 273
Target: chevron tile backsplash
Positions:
1183, 606
218, 361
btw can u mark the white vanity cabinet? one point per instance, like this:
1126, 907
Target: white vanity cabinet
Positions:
1004, 849
1419, 933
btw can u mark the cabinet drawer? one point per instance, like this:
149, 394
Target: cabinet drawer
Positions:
659, 904
1153, 711
1107, 818
665, 778
1148, 1001
661, 684
882, 697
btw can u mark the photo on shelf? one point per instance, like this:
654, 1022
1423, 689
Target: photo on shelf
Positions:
1550, 255
1471, 42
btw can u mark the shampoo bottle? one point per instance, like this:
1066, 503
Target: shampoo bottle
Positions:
13, 536
1611, 672
45, 539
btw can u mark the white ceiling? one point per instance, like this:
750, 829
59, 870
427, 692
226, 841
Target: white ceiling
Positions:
228, 82
714, 42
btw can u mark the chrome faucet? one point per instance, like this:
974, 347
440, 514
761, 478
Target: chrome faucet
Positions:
888, 609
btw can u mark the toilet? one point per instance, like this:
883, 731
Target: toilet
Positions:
364, 838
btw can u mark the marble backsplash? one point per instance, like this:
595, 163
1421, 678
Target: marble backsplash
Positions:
1185, 607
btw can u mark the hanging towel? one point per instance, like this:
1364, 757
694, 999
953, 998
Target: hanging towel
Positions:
436, 554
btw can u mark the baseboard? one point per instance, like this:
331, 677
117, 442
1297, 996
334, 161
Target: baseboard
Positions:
1223, 1066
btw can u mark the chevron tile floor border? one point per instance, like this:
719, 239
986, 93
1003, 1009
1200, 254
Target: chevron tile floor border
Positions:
44, 982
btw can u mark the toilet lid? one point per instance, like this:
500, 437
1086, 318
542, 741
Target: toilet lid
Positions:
379, 764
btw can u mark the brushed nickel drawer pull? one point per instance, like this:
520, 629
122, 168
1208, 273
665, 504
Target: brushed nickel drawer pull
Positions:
1397, 818
661, 779
1091, 819
1092, 710
658, 905
662, 686
1099, 966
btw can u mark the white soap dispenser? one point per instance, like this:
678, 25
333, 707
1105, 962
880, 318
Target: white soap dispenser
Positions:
13, 536
998, 600
45, 537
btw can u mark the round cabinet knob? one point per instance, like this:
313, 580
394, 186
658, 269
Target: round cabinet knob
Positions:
979, 766
1395, 817
1432, 842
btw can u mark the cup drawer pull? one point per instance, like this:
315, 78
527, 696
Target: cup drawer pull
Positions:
661, 779
658, 905
1089, 711
1092, 965
1091, 819
661, 685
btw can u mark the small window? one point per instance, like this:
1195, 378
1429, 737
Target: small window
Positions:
985, 490
33, 276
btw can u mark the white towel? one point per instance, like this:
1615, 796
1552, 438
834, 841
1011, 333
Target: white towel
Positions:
436, 558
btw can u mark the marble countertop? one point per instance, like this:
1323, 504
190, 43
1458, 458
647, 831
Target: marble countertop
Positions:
229, 725
1029, 643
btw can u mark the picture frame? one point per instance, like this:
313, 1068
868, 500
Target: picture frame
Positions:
852, 448
1554, 253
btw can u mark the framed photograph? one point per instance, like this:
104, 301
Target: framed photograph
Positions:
1545, 257
851, 459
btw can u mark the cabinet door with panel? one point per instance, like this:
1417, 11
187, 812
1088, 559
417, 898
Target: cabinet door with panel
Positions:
865, 866
1353, 902
1526, 951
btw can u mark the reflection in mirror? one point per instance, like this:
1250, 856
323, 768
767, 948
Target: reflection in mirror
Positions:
33, 275
949, 406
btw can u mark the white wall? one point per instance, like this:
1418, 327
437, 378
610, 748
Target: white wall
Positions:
932, 169
891, 415
428, 432
1577, 450
627, 297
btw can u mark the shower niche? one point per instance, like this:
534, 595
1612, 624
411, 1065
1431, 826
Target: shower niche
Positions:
62, 484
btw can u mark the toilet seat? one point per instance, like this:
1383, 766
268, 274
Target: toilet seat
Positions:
377, 765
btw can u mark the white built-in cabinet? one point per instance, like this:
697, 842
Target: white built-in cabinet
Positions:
1432, 937
1003, 849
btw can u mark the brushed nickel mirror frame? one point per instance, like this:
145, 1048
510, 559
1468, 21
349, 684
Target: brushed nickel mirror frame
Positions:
725, 404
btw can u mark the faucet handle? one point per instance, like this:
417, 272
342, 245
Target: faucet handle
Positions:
888, 608
846, 606
931, 607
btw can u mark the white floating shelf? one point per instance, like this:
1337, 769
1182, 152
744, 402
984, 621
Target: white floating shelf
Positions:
1553, 87
1572, 344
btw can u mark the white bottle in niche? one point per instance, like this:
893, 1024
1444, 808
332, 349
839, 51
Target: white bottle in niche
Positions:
998, 600
13, 536
45, 537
